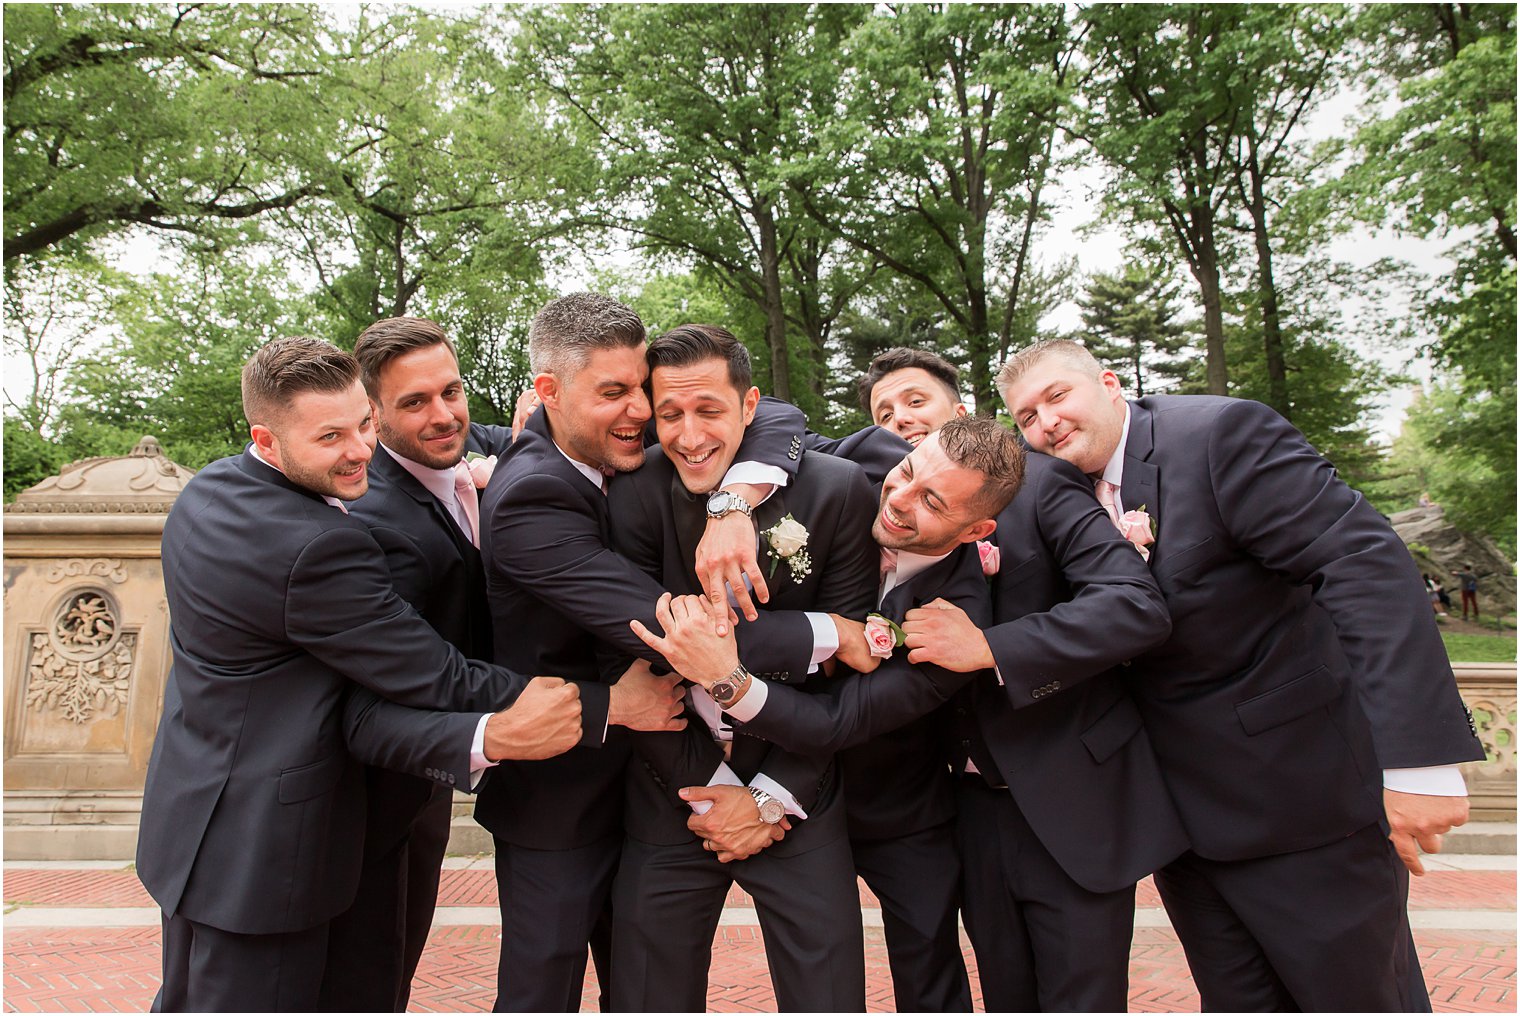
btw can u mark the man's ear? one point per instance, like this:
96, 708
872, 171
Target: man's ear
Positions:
547, 387
751, 400
960, 409
267, 444
979, 531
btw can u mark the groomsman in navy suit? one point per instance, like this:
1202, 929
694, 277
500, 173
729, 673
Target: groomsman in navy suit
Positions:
1303, 709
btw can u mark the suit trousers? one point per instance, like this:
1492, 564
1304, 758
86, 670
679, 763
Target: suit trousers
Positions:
1324, 929
373, 948
207, 969
666, 907
1043, 943
554, 903
917, 879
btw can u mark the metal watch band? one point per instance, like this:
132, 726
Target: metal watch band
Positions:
731, 503
727, 691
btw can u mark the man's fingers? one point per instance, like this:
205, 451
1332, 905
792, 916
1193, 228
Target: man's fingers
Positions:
919, 655
651, 640
1430, 843
1403, 843
756, 579
741, 595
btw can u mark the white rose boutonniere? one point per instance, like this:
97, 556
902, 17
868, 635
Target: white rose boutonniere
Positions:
788, 540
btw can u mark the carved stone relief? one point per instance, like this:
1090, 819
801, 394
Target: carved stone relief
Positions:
83, 663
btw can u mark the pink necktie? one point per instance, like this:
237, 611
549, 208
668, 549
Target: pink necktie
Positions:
888, 563
1107, 497
468, 498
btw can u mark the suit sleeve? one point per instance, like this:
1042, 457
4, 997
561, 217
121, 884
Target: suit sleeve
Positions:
1115, 610
1282, 502
849, 580
873, 449
342, 608
416, 741
853, 710
774, 436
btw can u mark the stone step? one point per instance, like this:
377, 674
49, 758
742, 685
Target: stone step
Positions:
1481, 838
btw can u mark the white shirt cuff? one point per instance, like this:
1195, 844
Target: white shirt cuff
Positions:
722, 777
825, 638
749, 706
780, 793
999, 675
1436, 781
478, 761
757, 473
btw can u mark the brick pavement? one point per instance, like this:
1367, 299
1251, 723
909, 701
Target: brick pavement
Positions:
78, 965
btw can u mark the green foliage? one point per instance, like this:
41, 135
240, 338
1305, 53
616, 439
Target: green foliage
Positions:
1462, 648
1131, 328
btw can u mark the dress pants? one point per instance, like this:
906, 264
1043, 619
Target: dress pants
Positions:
917, 880
1324, 929
207, 969
666, 907
554, 904
373, 948
1043, 943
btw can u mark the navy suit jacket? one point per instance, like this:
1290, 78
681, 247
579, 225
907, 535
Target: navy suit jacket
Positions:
657, 524
1304, 658
253, 811
560, 601
885, 724
1073, 601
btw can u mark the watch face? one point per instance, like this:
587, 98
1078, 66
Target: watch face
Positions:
717, 501
722, 691
771, 812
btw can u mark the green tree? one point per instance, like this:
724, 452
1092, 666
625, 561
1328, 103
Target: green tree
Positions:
1131, 321
174, 117
937, 170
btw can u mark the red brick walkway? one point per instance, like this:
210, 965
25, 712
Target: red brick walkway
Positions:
116, 969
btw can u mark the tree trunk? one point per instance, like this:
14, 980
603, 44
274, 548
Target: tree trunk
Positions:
1271, 319
775, 310
1207, 273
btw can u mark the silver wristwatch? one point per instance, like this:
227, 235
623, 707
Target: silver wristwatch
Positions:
721, 502
771, 809
726, 691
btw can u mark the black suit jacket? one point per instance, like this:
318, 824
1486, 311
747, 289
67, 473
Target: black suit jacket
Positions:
657, 524
253, 811
1304, 658
560, 602
886, 725
1073, 602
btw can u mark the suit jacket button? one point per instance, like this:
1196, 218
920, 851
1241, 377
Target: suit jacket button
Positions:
451, 779
1055, 686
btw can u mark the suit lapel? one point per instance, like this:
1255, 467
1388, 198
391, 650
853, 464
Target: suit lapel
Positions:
770, 512
688, 513
408, 484
921, 588
1141, 484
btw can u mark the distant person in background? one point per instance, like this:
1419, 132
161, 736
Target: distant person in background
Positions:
1468, 578
1436, 593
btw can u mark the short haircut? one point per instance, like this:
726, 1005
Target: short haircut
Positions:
285, 368
1072, 353
567, 331
389, 338
901, 358
688, 344
982, 444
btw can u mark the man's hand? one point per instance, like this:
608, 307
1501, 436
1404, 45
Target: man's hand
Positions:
527, 402
1417, 822
727, 553
691, 644
853, 650
731, 827
544, 721
641, 701
940, 632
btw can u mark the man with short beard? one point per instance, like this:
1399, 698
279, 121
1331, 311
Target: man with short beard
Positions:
253, 811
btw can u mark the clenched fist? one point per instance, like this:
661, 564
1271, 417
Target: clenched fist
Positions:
544, 721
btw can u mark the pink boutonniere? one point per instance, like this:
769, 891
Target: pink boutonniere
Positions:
992, 557
1138, 528
481, 467
882, 635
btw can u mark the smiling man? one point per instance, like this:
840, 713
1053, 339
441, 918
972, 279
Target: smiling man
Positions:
1302, 709
911, 392
669, 891
253, 812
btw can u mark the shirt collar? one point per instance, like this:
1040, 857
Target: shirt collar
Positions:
253, 450
439, 482
910, 564
589, 472
1114, 471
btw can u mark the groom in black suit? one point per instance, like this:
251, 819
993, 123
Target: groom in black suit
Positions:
779, 814
1303, 710
253, 812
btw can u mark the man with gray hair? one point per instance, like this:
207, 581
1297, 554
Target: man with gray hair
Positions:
560, 601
